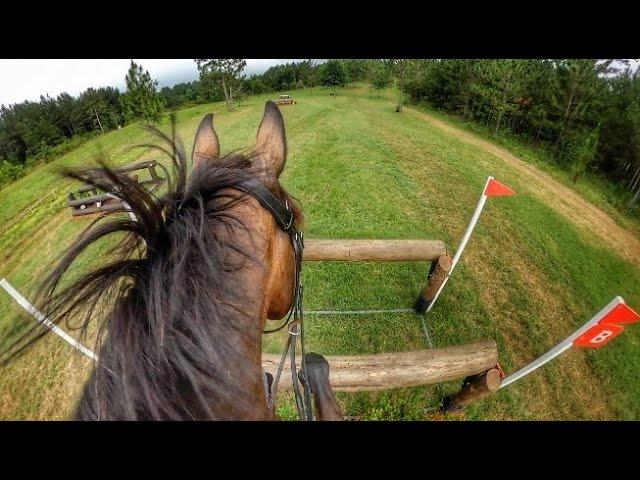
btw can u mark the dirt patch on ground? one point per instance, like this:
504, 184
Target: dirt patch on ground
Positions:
561, 198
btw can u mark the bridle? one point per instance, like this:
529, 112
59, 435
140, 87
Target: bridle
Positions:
284, 217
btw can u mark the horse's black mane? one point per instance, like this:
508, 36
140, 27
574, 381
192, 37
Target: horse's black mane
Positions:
165, 304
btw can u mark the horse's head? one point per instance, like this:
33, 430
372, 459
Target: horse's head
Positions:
268, 162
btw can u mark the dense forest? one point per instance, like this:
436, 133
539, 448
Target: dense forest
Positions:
585, 113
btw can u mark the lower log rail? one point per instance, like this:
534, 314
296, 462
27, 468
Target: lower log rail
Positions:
373, 250
384, 371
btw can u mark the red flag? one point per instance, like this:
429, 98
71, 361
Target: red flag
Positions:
598, 336
621, 314
497, 189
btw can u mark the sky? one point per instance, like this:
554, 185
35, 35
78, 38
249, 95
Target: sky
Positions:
28, 79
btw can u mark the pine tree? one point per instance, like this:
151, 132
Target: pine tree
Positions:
141, 99
575, 88
381, 77
585, 153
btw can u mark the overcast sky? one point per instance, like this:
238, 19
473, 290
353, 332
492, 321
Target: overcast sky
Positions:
28, 79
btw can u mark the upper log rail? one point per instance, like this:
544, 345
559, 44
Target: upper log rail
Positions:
373, 250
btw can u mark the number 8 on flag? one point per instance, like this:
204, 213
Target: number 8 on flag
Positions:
607, 328
598, 336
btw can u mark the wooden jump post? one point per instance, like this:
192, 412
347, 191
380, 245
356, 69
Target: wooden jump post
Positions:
383, 371
108, 202
473, 389
440, 268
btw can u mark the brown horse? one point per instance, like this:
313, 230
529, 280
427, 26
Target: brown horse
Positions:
182, 308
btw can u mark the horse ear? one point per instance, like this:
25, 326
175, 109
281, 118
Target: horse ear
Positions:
206, 146
271, 146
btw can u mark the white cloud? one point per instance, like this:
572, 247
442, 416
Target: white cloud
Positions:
28, 79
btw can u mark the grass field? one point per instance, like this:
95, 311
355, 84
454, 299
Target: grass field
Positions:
538, 265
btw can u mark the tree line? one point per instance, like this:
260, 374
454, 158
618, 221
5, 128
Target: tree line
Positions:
222, 79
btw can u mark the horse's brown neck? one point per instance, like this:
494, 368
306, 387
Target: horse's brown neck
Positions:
254, 283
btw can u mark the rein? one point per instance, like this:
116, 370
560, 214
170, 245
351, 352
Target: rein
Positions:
284, 217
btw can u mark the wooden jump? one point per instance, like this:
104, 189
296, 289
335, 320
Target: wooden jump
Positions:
373, 250
101, 202
383, 371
